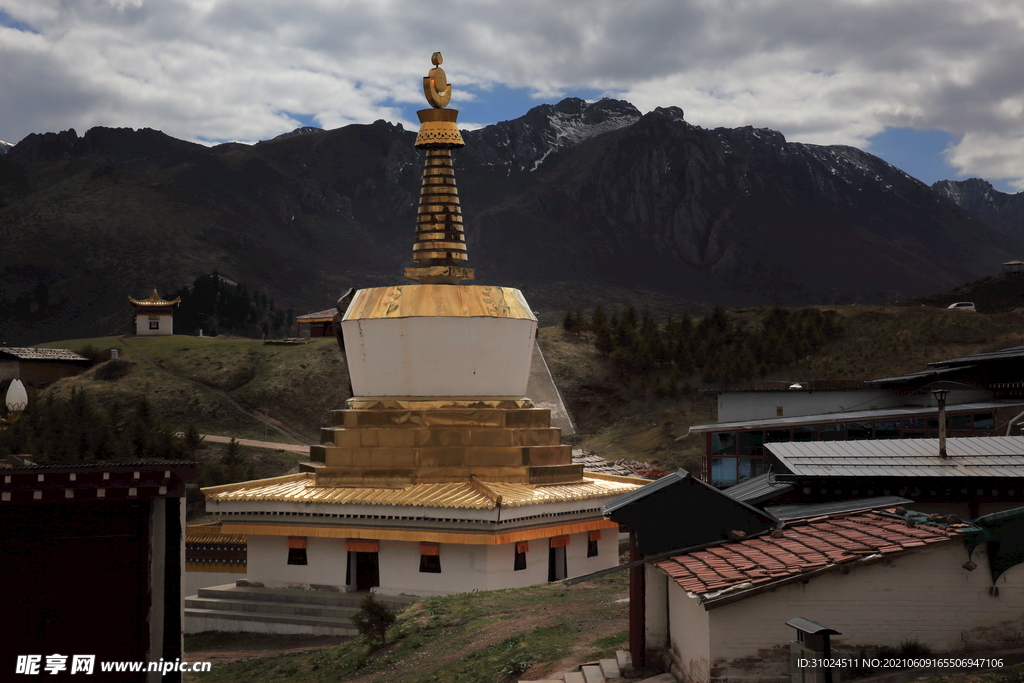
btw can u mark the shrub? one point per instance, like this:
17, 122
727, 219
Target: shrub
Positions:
373, 620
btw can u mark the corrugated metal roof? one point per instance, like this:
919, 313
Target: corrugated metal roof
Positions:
1004, 354
462, 495
319, 315
801, 548
983, 456
902, 379
24, 353
758, 489
806, 510
852, 416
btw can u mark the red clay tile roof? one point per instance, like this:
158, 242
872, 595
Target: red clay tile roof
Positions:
803, 547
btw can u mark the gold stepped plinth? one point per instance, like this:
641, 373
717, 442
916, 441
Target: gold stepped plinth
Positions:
395, 442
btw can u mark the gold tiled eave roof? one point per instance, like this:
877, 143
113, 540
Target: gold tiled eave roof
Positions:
154, 300
213, 535
301, 488
453, 301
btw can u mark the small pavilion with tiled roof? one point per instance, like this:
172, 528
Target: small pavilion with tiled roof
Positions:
440, 475
154, 316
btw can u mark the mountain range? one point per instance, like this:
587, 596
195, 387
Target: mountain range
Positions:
571, 202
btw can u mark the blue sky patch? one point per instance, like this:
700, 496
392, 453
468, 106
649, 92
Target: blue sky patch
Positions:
10, 22
919, 153
497, 103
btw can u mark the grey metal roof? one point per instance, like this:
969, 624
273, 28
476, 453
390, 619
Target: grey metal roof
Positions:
902, 379
27, 353
758, 489
851, 416
981, 456
1004, 354
805, 510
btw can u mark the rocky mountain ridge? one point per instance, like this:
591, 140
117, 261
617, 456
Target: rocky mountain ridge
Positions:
575, 203
1005, 211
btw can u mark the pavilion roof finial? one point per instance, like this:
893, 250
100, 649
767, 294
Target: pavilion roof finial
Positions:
440, 247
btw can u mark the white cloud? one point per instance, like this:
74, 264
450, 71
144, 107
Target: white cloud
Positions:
833, 72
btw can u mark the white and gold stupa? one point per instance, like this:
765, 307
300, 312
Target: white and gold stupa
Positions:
440, 475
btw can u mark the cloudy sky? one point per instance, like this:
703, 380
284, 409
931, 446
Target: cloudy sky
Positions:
936, 87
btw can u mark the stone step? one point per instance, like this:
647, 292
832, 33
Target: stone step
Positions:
574, 677
249, 621
623, 659
610, 668
267, 607
592, 673
299, 596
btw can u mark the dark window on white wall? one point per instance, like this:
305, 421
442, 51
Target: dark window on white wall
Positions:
430, 564
520, 562
296, 550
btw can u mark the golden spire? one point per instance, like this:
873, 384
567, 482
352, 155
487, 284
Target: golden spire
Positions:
440, 247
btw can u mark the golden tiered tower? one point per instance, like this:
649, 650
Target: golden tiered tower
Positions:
440, 246
439, 369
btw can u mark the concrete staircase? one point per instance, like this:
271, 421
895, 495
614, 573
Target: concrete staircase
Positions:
277, 610
602, 671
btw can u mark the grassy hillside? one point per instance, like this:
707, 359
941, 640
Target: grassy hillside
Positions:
499, 636
301, 384
619, 422
298, 385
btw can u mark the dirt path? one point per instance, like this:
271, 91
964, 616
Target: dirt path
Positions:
224, 648
290, 447
271, 422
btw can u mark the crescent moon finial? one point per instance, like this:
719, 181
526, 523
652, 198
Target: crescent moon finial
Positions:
435, 84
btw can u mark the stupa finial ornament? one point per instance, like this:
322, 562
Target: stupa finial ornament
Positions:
440, 247
435, 84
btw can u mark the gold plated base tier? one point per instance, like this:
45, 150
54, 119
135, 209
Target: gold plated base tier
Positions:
411, 440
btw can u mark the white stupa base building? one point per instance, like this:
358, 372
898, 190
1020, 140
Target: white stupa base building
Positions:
440, 476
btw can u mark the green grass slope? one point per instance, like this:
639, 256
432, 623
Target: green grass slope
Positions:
297, 385
495, 636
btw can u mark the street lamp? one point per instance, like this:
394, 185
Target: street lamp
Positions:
17, 401
940, 398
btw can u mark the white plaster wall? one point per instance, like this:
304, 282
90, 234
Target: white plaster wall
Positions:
926, 595
463, 569
142, 326
656, 607
268, 562
690, 634
576, 560
761, 405
192, 581
501, 562
439, 356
